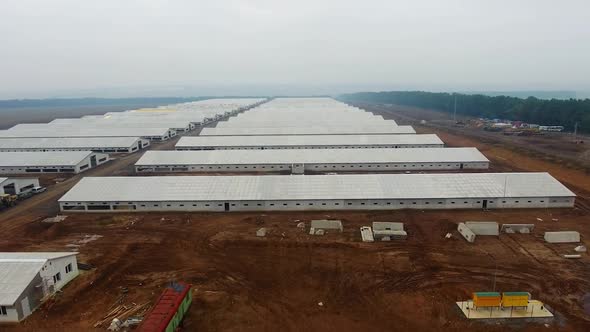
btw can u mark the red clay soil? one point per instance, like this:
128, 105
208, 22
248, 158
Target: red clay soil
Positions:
245, 283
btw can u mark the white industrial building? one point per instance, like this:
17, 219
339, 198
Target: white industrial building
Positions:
308, 142
50, 162
96, 144
310, 130
317, 192
15, 186
299, 161
28, 278
155, 134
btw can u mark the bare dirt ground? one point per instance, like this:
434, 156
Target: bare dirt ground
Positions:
245, 283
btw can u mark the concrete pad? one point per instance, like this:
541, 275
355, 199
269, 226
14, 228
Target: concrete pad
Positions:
535, 309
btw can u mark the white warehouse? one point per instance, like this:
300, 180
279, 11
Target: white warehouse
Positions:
155, 134
50, 162
15, 186
310, 130
317, 192
308, 142
96, 144
299, 161
27, 278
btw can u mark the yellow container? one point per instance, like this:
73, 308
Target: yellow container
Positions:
515, 299
487, 299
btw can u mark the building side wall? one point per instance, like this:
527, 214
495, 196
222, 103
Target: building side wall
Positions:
306, 205
265, 147
53, 266
318, 167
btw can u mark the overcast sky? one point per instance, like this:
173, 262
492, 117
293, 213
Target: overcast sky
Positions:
174, 47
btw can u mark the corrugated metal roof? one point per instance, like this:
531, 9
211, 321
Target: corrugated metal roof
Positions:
314, 187
85, 132
52, 158
18, 269
308, 140
311, 156
327, 130
67, 142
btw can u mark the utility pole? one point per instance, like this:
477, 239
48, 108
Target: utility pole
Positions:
576, 132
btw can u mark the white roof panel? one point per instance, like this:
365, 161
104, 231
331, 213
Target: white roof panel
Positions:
67, 142
84, 132
312, 130
311, 156
307, 140
314, 187
52, 158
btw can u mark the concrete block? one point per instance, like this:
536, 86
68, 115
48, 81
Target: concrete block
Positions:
483, 227
327, 225
562, 237
389, 229
466, 232
517, 228
367, 234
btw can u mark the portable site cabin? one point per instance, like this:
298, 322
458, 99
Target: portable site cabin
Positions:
486, 299
27, 278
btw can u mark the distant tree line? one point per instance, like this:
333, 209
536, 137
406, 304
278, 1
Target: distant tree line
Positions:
532, 110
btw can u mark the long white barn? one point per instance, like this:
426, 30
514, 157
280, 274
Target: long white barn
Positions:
298, 161
308, 142
156, 134
311, 130
50, 162
317, 192
96, 144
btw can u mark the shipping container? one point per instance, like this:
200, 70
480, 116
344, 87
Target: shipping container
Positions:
487, 299
169, 310
515, 299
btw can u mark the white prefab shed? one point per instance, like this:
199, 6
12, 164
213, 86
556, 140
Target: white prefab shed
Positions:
317, 192
27, 278
50, 162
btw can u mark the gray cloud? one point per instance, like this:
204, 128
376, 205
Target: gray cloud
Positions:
69, 47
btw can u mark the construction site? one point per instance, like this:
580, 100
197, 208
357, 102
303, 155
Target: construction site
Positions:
399, 236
